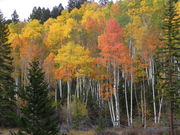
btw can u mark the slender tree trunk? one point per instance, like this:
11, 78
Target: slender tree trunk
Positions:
127, 108
80, 86
60, 89
68, 102
55, 94
116, 98
77, 88
160, 106
138, 104
87, 91
171, 96
171, 118
68, 93
16, 82
98, 94
145, 106
131, 120
154, 99
111, 108
142, 106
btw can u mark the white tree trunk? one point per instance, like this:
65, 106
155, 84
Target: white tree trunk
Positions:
77, 88
68, 94
127, 108
153, 90
80, 86
55, 94
145, 107
131, 120
60, 89
142, 105
116, 98
160, 107
111, 108
16, 82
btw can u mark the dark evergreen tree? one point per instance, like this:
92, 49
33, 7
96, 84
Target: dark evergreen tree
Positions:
103, 2
56, 11
15, 17
60, 8
175, 0
36, 14
45, 14
168, 59
33, 15
38, 116
8, 21
3, 30
7, 85
75, 4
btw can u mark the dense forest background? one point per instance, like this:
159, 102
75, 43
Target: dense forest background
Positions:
106, 64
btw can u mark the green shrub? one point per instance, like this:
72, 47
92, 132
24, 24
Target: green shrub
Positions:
78, 112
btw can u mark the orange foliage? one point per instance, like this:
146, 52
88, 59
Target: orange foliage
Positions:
95, 25
112, 47
139, 69
48, 67
65, 72
106, 90
151, 43
115, 9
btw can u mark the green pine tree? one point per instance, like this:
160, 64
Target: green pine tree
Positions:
15, 17
75, 4
169, 60
3, 30
7, 85
38, 115
103, 2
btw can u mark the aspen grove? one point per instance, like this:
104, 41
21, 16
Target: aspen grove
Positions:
106, 56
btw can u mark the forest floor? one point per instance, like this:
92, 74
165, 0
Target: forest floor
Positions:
5, 131
118, 131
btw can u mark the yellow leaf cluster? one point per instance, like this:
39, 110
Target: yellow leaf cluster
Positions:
93, 14
33, 29
15, 30
76, 55
48, 23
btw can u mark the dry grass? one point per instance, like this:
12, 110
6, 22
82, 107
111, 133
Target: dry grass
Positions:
73, 132
4, 131
118, 131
